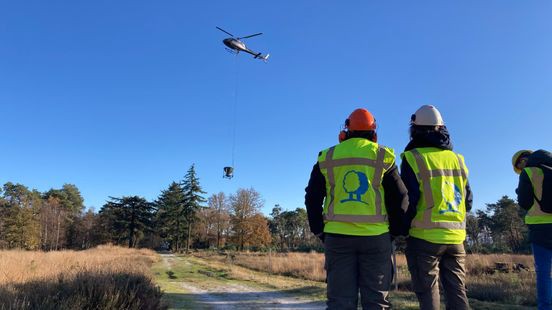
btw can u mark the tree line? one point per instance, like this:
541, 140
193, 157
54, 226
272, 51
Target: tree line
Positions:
500, 228
182, 218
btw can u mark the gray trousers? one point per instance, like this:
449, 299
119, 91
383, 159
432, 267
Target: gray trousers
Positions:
358, 263
428, 263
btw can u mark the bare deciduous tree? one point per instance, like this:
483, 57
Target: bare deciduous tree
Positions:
245, 206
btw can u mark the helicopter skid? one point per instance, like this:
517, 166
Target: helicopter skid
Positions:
231, 51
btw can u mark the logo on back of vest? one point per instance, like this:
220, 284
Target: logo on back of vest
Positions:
355, 183
451, 190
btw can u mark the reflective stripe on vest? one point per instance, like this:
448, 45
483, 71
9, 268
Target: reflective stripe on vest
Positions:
378, 164
537, 179
425, 176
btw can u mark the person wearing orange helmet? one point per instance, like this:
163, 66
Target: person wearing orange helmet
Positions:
534, 194
355, 202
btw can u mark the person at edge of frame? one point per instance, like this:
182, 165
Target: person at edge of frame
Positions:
535, 195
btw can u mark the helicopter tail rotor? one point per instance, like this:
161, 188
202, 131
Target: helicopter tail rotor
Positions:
262, 57
265, 58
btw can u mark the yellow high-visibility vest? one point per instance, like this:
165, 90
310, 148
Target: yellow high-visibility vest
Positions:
354, 203
535, 215
441, 209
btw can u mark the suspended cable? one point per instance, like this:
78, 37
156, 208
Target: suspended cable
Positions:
235, 112
229, 171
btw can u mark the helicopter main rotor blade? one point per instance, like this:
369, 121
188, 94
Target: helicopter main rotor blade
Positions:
253, 35
225, 31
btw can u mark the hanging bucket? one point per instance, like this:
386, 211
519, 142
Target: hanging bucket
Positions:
228, 172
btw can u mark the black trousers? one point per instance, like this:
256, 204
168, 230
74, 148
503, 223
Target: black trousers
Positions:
358, 263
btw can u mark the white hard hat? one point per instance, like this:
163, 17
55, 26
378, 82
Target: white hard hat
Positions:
427, 115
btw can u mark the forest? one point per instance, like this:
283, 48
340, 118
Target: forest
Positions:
183, 218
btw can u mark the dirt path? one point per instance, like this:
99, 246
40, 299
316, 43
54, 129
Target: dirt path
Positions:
194, 283
246, 297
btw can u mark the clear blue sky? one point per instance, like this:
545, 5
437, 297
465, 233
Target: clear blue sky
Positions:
121, 97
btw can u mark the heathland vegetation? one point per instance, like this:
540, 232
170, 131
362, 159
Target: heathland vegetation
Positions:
105, 277
182, 219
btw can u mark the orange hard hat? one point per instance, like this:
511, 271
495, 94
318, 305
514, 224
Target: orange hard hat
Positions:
361, 119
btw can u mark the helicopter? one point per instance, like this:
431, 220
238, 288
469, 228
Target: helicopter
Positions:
235, 45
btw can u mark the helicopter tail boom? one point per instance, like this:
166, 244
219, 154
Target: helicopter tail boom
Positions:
262, 57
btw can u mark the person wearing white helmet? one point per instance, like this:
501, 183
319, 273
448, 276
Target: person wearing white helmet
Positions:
439, 197
534, 194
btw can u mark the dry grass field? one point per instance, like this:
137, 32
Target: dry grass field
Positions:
483, 281
110, 277
105, 277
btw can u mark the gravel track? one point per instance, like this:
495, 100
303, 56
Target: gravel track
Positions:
229, 296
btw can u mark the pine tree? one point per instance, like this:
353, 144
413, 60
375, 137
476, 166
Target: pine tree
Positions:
192, 201
169, 216
129, 218
507, 226
19, 225
69, 207
277, 225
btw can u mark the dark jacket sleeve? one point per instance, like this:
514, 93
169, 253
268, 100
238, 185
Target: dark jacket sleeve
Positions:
525, 191
314, 200
469, 197
396, 200
413, 187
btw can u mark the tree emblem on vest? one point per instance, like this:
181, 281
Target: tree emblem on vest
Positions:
451, 190
355, 183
